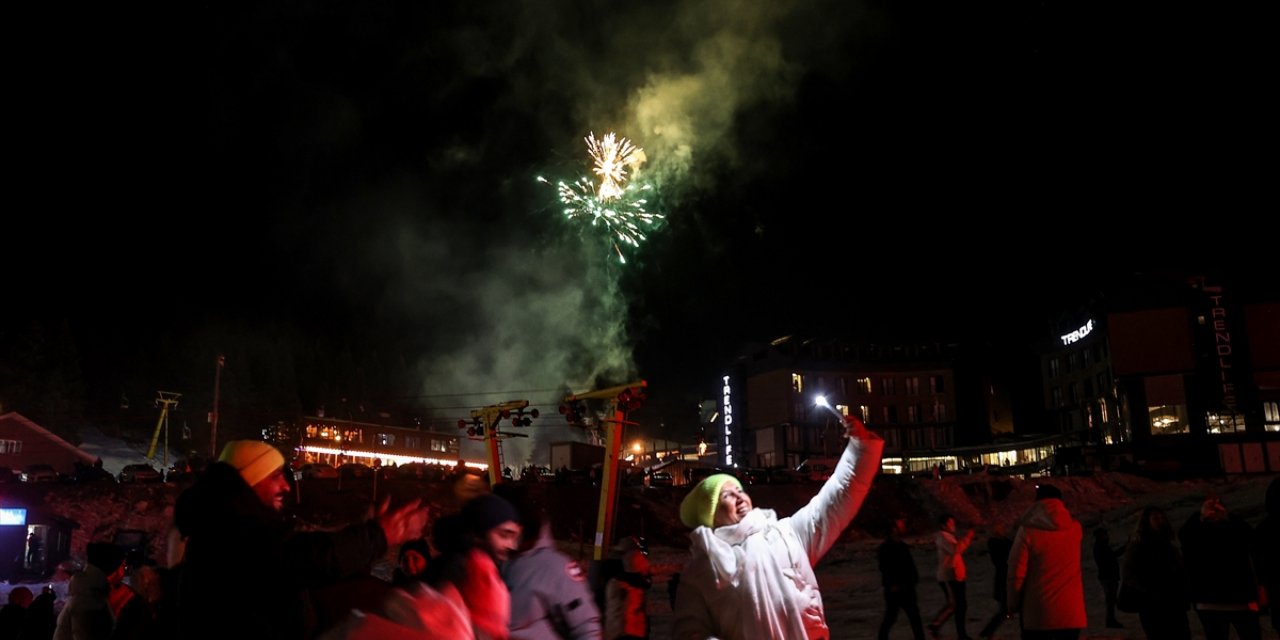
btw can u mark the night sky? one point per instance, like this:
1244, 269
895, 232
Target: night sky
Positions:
343, 197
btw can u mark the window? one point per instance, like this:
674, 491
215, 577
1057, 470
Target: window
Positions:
412, 442
844, 386
1168, 419
913, 386
864, 385
797, 383
15, 446
936, 385
865, 412
386, 439
1102, 408
939, 412
1271, 416
1055, 397
887, 387
913, 413
439, 445
1226, 422
891, 415
1055, 367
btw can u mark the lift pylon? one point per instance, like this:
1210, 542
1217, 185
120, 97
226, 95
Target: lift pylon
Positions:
622, 399
484, 423
165, 400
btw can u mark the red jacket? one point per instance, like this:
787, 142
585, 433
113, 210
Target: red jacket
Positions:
1044, 579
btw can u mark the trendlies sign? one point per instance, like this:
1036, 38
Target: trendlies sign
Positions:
728, 423
1079, 334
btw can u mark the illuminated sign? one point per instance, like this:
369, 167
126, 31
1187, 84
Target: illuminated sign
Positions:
1222, 346
13, 516
1079, 334
728, 422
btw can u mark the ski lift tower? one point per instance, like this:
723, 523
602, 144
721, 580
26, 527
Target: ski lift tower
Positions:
165, 400
623, 399
484, 426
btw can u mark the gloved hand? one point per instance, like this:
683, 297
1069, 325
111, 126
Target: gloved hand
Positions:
404, 523
854, 428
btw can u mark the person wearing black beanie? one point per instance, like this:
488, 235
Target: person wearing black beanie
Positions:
472, 543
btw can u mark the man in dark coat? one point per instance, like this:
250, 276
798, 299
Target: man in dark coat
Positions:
1108, 561
245, 570
1218, 550
998, 546
1268, 532
899, 576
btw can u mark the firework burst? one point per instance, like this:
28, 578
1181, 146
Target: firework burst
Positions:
614, 204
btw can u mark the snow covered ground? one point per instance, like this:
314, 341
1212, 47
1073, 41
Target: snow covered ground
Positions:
850, 579
848, 575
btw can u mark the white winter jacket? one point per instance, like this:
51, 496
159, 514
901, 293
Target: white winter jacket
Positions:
755, 579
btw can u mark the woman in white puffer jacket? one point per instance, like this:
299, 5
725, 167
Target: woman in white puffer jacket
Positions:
751, 575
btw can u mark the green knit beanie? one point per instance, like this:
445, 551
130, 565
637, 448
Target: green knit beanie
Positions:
699, 507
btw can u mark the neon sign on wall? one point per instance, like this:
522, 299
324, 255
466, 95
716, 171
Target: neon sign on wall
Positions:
728, 421
1079, 334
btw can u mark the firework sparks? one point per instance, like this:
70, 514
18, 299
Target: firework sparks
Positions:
617, 205
612, 156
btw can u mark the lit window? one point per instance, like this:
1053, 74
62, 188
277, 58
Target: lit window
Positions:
864, 385
1168, 419
1224, 422
797, 383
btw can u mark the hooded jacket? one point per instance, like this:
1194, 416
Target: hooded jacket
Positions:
951, 567
245, 570
1044, 580
550, 598
754, 579
87, 615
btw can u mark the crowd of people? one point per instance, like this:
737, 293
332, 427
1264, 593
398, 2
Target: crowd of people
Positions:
239, 568
1215, 565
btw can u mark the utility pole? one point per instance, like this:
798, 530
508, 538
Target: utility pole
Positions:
213, 419
623, 398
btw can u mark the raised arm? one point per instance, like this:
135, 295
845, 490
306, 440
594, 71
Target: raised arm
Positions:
820, 523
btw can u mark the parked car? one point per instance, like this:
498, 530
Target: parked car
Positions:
661, 479
318, 470
755, 475
817, 469
39, 473
139, 473
355, 470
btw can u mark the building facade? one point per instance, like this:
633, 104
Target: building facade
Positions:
1171, 372
906, 392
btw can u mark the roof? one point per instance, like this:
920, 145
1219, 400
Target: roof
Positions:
13, 419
